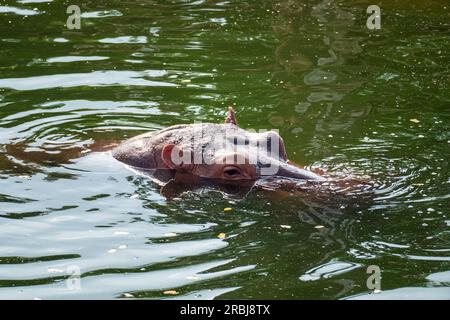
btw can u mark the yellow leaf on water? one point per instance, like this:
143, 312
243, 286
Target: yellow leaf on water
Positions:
227, 209
170, 292
221, 235
414, 120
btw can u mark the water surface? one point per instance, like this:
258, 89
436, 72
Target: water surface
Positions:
344, 98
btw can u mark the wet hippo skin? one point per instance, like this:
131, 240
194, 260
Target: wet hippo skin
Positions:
225, 150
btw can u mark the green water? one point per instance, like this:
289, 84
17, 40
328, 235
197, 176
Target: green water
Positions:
342, 97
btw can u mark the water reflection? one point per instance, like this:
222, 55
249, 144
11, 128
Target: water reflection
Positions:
95, 78
327, 75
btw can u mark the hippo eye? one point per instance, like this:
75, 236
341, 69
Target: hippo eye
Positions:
231, 172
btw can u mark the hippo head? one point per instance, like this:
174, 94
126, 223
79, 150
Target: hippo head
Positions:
223, 152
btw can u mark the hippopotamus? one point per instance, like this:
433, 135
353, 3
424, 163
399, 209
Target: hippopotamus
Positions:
223, 152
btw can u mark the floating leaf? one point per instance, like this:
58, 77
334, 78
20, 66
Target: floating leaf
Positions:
170, 292
227, 209
221, 235
414, 120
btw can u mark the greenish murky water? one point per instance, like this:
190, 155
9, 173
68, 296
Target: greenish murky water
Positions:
346, 99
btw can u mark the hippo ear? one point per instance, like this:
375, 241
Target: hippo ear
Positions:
175, 157
167, 155
231, 118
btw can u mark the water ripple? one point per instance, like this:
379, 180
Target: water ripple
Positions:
95, 78
18, 11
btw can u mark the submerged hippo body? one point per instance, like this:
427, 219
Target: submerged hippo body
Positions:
222, 152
